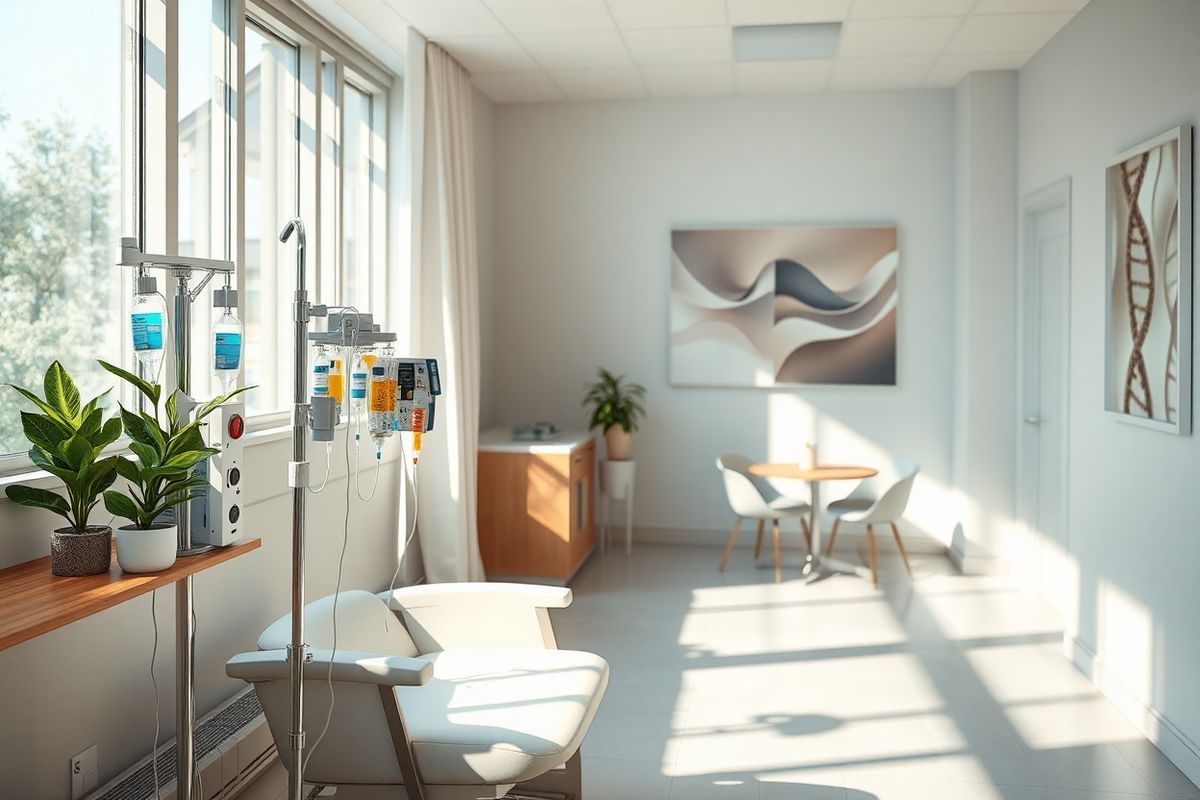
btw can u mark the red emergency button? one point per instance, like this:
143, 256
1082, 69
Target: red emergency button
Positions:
237, 426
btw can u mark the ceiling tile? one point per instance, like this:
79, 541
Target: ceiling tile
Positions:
782, 12
1007, 33
547, 16
381, 19
448, 17
1027, 6
898, 72
949, 69
612, 83
780, 77
632, 14
897, 37
689, 80
896, 9
481, 54
577, 50
680, 45
518, 87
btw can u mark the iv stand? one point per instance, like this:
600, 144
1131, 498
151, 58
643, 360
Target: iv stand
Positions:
302, 412
180, 269
302, 310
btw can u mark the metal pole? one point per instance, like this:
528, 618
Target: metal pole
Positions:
185, 707
297, 651
183, 383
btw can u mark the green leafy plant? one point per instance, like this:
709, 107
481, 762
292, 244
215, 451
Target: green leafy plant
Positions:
160, 476
67, 439
614, 402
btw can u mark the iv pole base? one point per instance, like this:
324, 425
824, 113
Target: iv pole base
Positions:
194, 550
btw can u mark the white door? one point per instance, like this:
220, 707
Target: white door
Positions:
1045, 303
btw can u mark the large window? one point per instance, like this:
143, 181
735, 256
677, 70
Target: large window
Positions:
158, 134
60, 195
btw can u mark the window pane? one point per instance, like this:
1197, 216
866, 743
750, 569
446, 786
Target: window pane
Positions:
331, 187
60, 209
272, 152
357, 213
203, 162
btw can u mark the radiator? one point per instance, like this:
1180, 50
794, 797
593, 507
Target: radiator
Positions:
233, 747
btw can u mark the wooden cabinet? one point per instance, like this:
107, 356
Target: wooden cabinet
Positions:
536, 506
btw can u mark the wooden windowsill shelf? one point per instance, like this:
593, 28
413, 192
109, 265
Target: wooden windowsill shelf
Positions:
34, 601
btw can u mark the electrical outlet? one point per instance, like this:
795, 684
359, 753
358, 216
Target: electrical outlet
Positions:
83, 773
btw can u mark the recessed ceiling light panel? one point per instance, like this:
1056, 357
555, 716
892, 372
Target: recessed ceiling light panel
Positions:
786, 42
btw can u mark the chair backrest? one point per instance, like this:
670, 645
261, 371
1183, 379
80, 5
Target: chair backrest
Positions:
891, 490
365, 624
358, 746
744, 492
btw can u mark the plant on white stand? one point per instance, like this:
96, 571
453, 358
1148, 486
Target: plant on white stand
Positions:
616, 409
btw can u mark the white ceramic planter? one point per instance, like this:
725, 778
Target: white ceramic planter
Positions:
151, 550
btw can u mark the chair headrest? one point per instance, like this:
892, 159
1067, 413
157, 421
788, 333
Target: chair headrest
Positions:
361, 618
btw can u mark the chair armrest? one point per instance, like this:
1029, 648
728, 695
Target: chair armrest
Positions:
348, 667
441, 594
454, 616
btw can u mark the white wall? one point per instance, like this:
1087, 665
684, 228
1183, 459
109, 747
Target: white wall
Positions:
1118, 74
89, 682
985, 105
586, 196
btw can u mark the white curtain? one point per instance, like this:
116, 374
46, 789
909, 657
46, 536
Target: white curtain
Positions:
448, 317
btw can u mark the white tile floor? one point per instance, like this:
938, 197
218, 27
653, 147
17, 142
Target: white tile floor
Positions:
729, 686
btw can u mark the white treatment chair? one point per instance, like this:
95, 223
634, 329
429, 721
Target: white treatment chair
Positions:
752, 497
464, 693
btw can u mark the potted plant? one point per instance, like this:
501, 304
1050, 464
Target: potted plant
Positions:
68, 438
616, 408
160, 474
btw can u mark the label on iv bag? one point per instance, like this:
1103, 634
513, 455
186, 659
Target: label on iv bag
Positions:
147, 330
227, 350
358, 385
321, 380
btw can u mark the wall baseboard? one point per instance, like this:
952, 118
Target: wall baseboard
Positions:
1173, 743
849, 540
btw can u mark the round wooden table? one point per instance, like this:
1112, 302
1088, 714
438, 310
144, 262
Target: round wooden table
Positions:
817, 565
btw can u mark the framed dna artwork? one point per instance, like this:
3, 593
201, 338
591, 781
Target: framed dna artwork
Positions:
1148, 320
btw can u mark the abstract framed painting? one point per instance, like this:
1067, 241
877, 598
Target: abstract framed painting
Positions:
1148, 303
784, 306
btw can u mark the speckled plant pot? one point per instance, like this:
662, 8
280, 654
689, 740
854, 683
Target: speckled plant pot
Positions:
74, 555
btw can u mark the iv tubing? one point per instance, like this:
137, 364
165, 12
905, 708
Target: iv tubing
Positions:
409, 480
338, 587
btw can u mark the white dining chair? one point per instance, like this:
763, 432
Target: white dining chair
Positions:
752, 497
876, 501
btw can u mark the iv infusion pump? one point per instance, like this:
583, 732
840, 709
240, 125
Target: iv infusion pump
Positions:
417, 387
216, 513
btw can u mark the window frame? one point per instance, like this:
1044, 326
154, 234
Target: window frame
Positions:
149, 152
321, 48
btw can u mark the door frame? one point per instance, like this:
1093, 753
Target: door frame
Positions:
1052, 196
